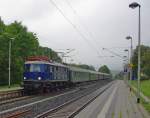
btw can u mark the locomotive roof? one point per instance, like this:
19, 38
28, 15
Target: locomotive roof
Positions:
45, 62
62, 65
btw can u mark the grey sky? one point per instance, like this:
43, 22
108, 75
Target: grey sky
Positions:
109, 21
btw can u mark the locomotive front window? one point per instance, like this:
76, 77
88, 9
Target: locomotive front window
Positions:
27, 68
35, 68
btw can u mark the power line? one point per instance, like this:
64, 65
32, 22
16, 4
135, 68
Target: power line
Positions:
73, 25
82, 23
113, 52
117, 47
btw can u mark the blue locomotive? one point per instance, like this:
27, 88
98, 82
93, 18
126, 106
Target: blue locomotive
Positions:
42, 74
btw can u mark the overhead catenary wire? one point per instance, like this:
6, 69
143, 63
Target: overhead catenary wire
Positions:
74, 26
114, 53
90, 33
117, 47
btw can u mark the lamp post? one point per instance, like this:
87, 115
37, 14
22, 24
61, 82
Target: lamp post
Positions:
133, 6
131, 52
125, 68
126, 50
9, 68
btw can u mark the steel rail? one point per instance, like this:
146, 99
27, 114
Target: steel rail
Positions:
19, 114
34, 103
45, 114
5, 95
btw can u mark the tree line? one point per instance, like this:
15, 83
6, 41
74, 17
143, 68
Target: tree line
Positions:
145, 62
24, 44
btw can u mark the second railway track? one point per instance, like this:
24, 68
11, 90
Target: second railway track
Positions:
6, 95
17, 101
49, 103
74, 106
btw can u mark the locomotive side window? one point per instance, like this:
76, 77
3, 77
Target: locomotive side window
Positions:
51, 69
47, 68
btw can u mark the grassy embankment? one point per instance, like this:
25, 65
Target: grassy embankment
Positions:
13, 87
145, 89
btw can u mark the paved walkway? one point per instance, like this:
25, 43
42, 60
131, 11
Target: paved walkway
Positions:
116, 102
124, 104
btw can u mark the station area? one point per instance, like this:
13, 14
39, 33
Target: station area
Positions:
116, 102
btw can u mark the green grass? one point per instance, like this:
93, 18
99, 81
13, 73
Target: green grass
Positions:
144, 86
12, 87
120, 114
145, 89
146, 105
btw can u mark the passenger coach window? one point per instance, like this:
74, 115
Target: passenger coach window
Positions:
56, 68
47, 68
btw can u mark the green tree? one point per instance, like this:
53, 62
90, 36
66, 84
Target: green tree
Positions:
84, 66
145, 63
25, 44
104, 69
45, 51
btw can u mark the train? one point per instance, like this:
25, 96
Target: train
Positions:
40, 73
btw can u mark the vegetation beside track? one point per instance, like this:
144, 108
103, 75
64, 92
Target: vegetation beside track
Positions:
24, 44
12, 87
146, 105
145, 89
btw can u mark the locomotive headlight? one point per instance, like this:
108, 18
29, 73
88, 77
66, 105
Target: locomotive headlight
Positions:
24, 78
39, 78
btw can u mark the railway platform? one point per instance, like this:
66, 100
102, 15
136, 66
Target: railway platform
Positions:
116, 102
6, 89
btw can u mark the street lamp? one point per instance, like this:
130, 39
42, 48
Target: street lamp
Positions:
126, 50
128, 72
125, 67
133, 6
131, 52
9, 68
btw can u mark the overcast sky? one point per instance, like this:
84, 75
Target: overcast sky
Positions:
102, 23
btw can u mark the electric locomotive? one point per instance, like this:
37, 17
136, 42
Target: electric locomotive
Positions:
41, 73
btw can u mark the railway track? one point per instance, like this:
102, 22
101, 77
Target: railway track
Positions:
49, 103
20, 101
74, 106
11, 94
7, 97
13, 100
18, 114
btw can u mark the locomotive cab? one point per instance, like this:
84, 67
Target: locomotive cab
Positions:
35, 71
40, 73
